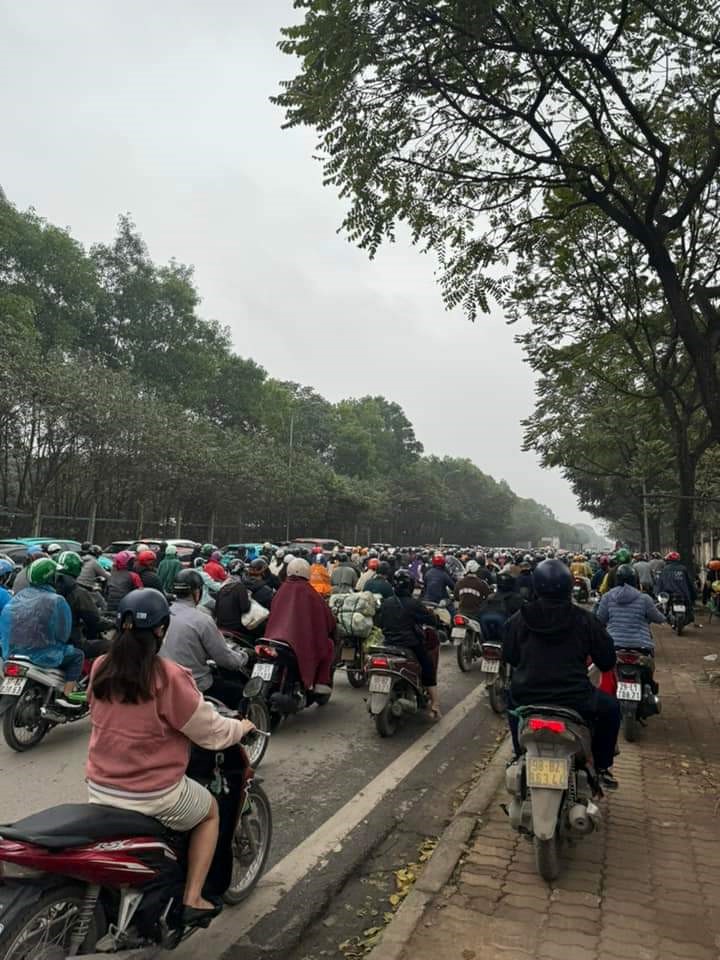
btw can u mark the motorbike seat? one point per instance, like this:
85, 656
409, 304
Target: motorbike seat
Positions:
393, 651
54, 676
78, 824
546, 710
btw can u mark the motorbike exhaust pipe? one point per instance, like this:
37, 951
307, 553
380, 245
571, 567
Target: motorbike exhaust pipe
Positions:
407, 706
579, 818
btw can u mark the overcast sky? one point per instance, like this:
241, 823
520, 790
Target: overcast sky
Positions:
161, 109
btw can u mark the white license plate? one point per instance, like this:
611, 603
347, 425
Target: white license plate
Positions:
380, 683
458, 633
678, 608
547, 772
263, 670
12, 686
490, 666
629, 691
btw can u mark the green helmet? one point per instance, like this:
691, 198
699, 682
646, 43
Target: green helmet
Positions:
69, 562
623, 556
208, 549
42, 571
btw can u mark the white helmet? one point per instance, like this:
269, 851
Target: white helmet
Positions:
472, 566
54, 548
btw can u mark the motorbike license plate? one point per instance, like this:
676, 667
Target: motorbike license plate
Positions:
380, 684
12, 686
347, 653
629, 691
678, 608
490, 666
458, 633
548, 772
263, 670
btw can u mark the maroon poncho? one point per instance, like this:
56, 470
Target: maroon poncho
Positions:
300, 617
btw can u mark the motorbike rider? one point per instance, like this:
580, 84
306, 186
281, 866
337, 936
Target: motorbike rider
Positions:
454, 565
146, 711
581, 568
366, 577
214, 568
22, 580
600, 573
6, 571
302, 619
439, 585
523, 585
675, 579
641, 566
257, 581
401, 619
233, 600
627, 613
146, 569
380, 583
484, 572
471, 591
319, 575
548, 644
344, 577
192, 639
122, 580
168, 568
37, 622
86, 622
91, 571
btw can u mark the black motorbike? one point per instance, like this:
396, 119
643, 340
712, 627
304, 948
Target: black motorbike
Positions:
277, 685
636, 692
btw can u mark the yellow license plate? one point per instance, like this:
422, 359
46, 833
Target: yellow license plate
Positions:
548, 772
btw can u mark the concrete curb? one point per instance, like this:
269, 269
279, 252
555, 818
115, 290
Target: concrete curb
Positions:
441, 865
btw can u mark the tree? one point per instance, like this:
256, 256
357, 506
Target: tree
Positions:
471, 122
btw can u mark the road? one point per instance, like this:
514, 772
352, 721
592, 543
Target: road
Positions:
333, 782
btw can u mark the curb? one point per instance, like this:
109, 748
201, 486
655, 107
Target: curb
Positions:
446, 855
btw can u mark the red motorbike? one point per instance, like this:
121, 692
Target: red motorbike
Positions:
84, 878
395, 682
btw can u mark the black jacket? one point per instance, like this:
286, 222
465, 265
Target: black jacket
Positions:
548, 644
151, 579
231, 602
85, 617
399, 619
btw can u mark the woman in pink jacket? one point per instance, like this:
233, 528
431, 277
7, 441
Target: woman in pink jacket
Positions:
146, 711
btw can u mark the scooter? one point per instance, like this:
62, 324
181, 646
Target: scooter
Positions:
395, 684
467, 640
444, 619
581, 594
276, 683
84, 878
636, 691
494, 672
351, 658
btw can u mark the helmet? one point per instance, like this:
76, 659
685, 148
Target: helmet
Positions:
237, 567
143, 609
216, 555
578, 558
626, 575
122, 559
6, 568
373, 563
69, 562
96, 550
198, 563
42, 571
267, 546
279, 553
321, 559
673, 555
171, 550
472, 566
372, 552
258, 567
505, 582
53, 548
714, 564
207, 549
623, 556
299, 568
34, 550
146, 558
552, 579
384, 569
105, 563
438, 560
186, 582
715, 586
342, 557
404, 583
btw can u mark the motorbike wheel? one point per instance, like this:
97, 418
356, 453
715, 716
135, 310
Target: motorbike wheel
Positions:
23, 727
356, 678
679, 626
630, 728
255, 746
45, 925
547, 857
251, 846
386, 723
497, 695
465, 654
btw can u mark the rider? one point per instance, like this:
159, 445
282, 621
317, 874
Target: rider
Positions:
366, 577
146, 711
303, 620
675, 579
192, 639
214, 568
344, 577
400, 620
169, 568
627, 613
581, 569
258, 582
6, 571
471, 591
319, 575
122, 580
37, 622
22, 580
438, 581
146, 569
86, 623
91, 570
548, 644
380, 583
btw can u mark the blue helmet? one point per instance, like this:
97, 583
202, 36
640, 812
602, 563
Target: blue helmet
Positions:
6, 569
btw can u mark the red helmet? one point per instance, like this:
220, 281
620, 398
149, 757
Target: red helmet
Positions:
373, 563
673, 555
146, 558
438, 560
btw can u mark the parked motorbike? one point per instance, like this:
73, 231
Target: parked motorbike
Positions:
675, 610
276, 684
444, 620
467, 640
581, 593
83, 878
395, 683
636, 690
552, 783
28, 696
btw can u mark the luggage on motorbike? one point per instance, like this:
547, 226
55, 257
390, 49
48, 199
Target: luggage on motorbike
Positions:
355, 613
256, 615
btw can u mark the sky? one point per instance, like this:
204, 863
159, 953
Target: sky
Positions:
161, 110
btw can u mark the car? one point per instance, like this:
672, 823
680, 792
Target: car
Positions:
39, 541
116, 546
185, 548
242, 551
312, 543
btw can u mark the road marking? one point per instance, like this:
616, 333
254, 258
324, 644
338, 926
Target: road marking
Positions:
320, 845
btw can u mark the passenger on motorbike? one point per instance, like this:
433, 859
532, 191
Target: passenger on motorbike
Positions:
86, 622
37, 622
319, 576
146, 569
169, 568
6, 571
381, 583
548, 644
344, 577
675, 579
192, 639
401, 618
91, 570
471, 591
303, 620
146, 711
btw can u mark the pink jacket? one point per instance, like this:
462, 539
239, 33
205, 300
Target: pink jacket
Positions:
142, 749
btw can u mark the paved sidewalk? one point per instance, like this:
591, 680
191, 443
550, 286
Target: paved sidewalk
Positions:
645, 887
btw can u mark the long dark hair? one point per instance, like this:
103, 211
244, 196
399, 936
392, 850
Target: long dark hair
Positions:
126, 674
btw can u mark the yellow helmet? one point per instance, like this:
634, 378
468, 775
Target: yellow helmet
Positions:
716, 586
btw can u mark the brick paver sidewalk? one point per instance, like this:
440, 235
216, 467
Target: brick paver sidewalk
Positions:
645, 887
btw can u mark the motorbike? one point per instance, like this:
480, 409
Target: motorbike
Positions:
552, 783
276, 684
395, 683
467, 639
636, 691
84, 878
351, 658
580, 591
28, 695
675, 609
444, 619
495, 673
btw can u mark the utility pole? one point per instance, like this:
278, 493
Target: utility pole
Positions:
289, 474
645, 518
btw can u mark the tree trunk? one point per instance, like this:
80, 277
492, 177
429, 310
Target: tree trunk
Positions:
685, 513
654, 530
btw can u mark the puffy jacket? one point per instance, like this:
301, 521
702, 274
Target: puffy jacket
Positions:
627, 613
437, 583
36, 624
674, 578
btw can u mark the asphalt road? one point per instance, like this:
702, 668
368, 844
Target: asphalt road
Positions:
317, 765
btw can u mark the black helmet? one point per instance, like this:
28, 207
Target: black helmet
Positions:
187, 581
404, 583
258, 567
505, 582
626, 575
552, 579
143, 609
342, 557
237, 567
384, 569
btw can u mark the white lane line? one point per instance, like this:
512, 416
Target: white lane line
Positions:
320, 845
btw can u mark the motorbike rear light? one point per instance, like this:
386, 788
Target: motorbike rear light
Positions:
539, 723
459, 621
15, 670
628, 657
491, 653
262, 651
379, 663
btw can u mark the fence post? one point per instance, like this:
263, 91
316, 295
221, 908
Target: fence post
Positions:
211, 531
37, 519
91, 522
178, 525
140, 521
